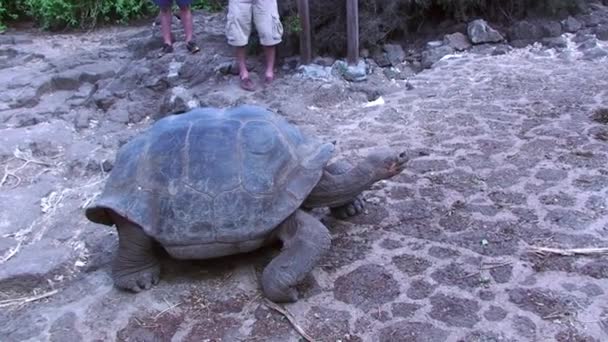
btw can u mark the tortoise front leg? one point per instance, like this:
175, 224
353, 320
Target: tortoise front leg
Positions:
305, 241
135, 267
350, 207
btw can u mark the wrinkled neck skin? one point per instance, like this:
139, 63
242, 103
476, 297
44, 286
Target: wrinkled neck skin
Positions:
336, 190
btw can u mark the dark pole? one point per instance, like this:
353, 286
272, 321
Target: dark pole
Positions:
352, 31
305, 37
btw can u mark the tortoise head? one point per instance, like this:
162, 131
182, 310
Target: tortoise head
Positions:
386, 162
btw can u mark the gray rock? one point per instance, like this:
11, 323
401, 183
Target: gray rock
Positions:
592, 19
601, 32
526, 31
571, 25
33, 265
179, 100
141, 47
381, 59
588, 44
555, 42
394, 54
352, 73
315, 72
82, 119
480, 32
457, 41
501, 50
118, 114
595, 53
551, 28
432, 56
104, 99
398, 73
521, 43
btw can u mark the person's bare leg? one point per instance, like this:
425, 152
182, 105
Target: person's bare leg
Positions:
165, 24
186, 16
246, 82
241, 60
270, 52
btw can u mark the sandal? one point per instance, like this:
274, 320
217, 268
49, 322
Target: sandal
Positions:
192, 47
166, 49
247, 84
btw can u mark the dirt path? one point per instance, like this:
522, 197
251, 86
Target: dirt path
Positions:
510, 153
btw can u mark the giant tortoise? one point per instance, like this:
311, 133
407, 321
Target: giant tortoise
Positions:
214, 182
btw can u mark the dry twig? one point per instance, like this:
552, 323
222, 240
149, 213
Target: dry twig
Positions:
24, 300
166, 310
290, 318
570, 251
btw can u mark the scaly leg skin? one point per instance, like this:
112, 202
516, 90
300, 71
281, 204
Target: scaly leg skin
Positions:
341, 184
135, 267
348, 210
305, 241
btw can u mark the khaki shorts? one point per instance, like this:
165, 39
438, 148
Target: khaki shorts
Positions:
265, 15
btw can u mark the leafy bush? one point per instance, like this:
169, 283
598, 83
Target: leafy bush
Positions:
58, 14
210, 5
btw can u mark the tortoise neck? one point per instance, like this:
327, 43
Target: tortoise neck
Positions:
335, 190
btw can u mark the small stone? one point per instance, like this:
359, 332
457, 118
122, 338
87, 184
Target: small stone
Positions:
457, 41
571, 25
81, 120
480, 32
226, 68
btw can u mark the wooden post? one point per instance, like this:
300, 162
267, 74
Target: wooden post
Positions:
305, 35
352, 31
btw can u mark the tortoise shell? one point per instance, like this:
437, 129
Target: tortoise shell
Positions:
212, 176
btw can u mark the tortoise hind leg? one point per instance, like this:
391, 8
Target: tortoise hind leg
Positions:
305, 240
135, 267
